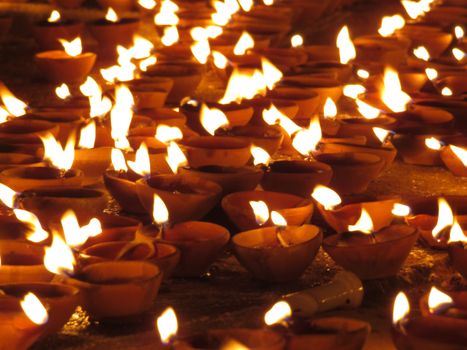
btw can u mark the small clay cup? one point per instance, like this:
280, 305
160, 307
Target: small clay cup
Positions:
122, 187
47, 34
58, 66
28, 131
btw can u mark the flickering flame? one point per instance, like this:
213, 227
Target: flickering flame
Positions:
243, 85
445, 91
421, 53
170, 36
165, 133
142, 47
458, 54
232, 344
54, 17
392, 95
72, 48
87, 136
330, 109
367, 111
59, 258
459, 32
381, 134
399, 209
142, 164
147, 4
401, 308
431, 73
213, 31
460, 153
271, 73
3, 115
222, 15
260, 156
90, 88
175, 157
167, 325
389, 24
220, 61
148, 62
13, 105
327, 197
60, 158
364, 224
445, 217
362, 73
345, 45
201, 50
244, 43
437, 299
160, 213
277, 219
246, 5
7, 196
457, 234
37, 234
167, 14
261, 211
278, 313
353, 90
433, 143
296, 40
111, 15
99, 107
413, 8
76, 236
307, 140
273, 116
212, 119
268, 2
118, 160
121, 116
34, 309
62, 91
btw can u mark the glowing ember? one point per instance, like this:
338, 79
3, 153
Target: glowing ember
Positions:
62, 91
261, 211
278, 313
437, 300
327, 197
59, 258
34, 309
72, 48
364, 224
401, 308
167, 325
362, 73
260, 156
459, 32
445, 91
296, 40
345, 45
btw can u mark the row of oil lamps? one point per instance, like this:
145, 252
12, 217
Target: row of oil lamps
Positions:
100, 260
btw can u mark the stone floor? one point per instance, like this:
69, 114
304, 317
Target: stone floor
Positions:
227, 296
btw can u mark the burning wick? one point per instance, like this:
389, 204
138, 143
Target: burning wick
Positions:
281, 225
160, 215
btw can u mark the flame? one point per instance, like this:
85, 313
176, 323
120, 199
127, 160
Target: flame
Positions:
212, 119
445, 217
459, 32
273, 116
34, 309
401, 308
142, 48
414, 9
60, 158
165, 133
62, 91
399, 209
261, 212
329, 109
246, 5
392, 95
364, 224
3, 115
231, 344
389, 24
170, 36
296, 40
271, 73
457, 234
220, 61
142, 164
121, 116
277, 219
445, 91
99, 107
362, 73
38, 234
381, 134
458, 54
367, 111
307, 140
268, 2
201, 50
431, 73
87, 138
167, 14
327, 197
118, 160
125, 69
72, 48
222, 15
213, 31
353, 90
433, 143
243, 85
437, 299
90, 88
147, 4
345, 45
460, 153
148, 62
54, 17
160, 213
421, 53
13, 105
175, 157
59, 258
111, 15
260, 156
7, 196
76, 236
278, 313
167, 325
244, 43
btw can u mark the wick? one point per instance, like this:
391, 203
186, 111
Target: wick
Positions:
280, 237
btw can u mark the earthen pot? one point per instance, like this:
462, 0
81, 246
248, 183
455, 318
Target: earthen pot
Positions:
360, 126
27, 131
453, 162
322, 53
435, 40
307, 102
58, 66
47, 34
13, 160
165, 116
109, 34
92, 162
68, 123
122, 187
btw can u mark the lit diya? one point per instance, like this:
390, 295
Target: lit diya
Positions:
457, 249
371, 254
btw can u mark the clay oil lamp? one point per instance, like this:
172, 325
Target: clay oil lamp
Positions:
157, 83
307, 102
455, 83
420, 148
296, 210
353, 171
340, 214
455, 159
457, 249
112, 31
433, 38
28, 131
13, 160
278, 253
285, 58
49, 32
165, 116
319, 53
70, 65
437, 325
371, 254
147, 7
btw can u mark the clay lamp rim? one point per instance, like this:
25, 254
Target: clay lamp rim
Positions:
459, 300
172, 183
251, 131
243, 197
22, 127
215, 142
330, 326
35, 253
63, 192
224, 170
279, 101
308, 84
101, 22
312, 232
62, 22
298, 167
45, 291
110, 221
386, 147
290, 92
206, 232
161, 114
349, 159
325, 64
40, 173
59, 55
168, 70
229, 107
18, 159
381, 120
428, 205
53, 116
333, 240
129, 176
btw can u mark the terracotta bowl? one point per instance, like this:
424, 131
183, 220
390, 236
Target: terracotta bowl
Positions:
109, 34
372, 260
22, 262
322, 53
13, 229
435, 41
307, 102
47, 34
122, 187
165, 84
148, 97
297, 177
216, 150
231, 179
259, 104
22, 179
266, 259
92, 162
186, 198
57, 66
456, 83
165, 116
68, 123
27, 131
284, 57
13, 160
296, 210
359, 126
342, 72
5, 25
388, 51
352, 172
458, 256
105, 285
